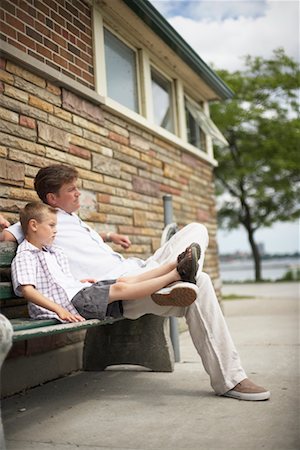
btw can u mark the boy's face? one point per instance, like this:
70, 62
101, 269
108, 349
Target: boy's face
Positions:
45, 231
67, 197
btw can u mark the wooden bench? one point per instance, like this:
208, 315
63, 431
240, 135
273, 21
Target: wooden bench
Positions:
144, 341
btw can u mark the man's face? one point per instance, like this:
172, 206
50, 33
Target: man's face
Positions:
45, 230
67, 197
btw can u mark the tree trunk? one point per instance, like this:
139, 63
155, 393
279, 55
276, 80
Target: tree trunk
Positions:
255, 254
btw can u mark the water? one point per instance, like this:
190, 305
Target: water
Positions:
272, 269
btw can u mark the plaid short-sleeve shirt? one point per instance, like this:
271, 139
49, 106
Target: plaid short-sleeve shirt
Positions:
29, 267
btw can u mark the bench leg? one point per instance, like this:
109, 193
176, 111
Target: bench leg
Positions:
144, 341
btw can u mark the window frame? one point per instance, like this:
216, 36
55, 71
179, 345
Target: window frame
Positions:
145, 61
157, 71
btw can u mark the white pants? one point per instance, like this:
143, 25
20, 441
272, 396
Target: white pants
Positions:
204, 317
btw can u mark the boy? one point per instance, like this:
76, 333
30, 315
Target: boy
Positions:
40, 273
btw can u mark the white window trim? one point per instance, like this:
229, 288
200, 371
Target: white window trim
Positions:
145, 117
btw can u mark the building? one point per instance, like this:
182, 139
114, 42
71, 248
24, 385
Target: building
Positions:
111, 88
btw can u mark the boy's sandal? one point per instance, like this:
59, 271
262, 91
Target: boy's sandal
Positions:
186, 252
188, 266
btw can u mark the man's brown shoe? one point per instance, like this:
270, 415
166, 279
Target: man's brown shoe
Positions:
247, 390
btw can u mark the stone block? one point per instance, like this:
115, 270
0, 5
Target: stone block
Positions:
22, 108
16, 94
88, 200
64, 125
145, 186
85, 143
17, 70
78, 151
37, 91
139, 142
91, 126
12, 171
52, 136
140, 218
62, 114
16, 142
27, 122
77, 105
40, 104
106, 165
66, 158
6, 77
28, 158
118, 138
9, 115
17, 130
203, 215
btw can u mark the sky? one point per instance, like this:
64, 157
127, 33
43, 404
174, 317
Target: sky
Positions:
222, 32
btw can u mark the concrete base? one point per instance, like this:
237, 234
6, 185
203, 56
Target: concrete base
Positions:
24, 372
143, 342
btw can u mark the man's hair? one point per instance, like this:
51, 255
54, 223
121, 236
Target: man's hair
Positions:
34, 210
51, 178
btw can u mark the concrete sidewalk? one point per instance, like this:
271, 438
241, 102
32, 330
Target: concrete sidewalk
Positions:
134, 409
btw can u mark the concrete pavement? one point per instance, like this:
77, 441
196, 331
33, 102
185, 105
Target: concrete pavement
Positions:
135, 409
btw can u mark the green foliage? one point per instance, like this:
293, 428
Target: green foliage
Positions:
259, 171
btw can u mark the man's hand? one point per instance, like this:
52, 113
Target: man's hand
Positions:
3, 223
65, 315
120, 239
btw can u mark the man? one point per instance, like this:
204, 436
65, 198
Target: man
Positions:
89, 256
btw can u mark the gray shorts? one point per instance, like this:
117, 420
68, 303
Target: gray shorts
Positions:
92, 302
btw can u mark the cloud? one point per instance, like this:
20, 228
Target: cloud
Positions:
223, 32
210, 9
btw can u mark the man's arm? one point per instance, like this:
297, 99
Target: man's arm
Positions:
119, 239
4, 234
31, 294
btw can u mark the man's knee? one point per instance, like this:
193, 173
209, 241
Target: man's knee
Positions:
202, 279
199, 230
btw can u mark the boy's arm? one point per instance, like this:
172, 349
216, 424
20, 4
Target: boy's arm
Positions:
32, 295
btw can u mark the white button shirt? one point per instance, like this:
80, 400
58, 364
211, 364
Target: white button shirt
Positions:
88, 255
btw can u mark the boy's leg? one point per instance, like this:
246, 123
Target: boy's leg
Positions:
142, 289
149, 274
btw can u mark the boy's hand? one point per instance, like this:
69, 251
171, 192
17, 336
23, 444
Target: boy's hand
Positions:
65, 315
89, 280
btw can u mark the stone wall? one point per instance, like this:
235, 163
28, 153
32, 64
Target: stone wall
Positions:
124, 170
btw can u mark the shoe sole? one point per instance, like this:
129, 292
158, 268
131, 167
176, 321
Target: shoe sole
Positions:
178, 296
254, 397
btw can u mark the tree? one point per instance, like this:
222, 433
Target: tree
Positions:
258, 177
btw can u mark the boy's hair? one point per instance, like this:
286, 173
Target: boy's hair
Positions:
50, 179
35, 210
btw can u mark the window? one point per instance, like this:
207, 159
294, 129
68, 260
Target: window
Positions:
199, 125
162, 101
195, 135
121, 72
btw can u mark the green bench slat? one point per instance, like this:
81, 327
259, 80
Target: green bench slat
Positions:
29, 328
6, 291
7, 253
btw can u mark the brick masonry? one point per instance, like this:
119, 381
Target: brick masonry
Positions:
56, 32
